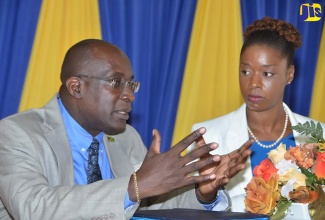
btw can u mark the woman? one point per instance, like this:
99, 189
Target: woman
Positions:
266, 68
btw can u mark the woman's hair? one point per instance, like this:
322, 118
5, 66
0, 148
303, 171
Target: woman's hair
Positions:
275, 33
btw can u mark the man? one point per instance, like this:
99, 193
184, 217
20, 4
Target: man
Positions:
76, 158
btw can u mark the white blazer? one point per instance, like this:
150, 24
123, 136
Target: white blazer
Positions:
230, 132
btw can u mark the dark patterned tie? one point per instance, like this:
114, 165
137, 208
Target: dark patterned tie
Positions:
93, 170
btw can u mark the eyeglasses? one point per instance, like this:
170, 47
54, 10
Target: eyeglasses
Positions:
117, 83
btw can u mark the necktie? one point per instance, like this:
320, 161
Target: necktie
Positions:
93, 170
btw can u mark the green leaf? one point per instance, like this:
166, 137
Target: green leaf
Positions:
280, 210
314, 131
311, 179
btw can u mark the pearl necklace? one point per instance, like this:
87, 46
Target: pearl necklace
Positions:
277, 141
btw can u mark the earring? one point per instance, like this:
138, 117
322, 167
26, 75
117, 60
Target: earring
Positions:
288, 83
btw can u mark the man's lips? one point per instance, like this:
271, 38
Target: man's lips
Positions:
255, 98
122, 114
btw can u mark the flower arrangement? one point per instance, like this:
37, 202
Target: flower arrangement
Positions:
290, 176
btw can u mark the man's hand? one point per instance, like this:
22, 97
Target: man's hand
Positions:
163, 172
228, 166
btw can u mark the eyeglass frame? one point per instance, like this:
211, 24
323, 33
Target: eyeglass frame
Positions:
133, 85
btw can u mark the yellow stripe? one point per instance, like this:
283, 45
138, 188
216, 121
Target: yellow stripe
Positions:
317, 103
210, 85
61, 24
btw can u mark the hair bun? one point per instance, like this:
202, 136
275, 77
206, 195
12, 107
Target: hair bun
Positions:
285, 29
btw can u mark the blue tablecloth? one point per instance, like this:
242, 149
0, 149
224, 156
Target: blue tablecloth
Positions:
191, 214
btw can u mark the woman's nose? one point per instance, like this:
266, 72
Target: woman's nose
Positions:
255, 81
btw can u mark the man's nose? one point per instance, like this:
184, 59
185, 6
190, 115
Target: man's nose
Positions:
127, 94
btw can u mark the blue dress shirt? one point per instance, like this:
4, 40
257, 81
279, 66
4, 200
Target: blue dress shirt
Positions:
80, 141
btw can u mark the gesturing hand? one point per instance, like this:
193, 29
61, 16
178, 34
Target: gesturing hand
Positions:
163, 172
228, 166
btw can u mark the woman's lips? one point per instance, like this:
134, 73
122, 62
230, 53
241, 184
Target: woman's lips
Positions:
255, 98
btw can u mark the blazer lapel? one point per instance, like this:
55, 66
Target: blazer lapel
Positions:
56, 136
118, 159
237, 136
238, 133
299, 139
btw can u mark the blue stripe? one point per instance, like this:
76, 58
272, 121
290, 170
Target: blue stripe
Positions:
18, 21
155, 35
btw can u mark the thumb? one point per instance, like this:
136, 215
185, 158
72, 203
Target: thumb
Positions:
155, 144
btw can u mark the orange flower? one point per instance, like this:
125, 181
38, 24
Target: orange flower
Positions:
303, 155
303, 195
262, 196
319, 168
265, 169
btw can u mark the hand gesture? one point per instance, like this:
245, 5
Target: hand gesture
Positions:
228, 166
163, 172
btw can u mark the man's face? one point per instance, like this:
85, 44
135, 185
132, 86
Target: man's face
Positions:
104, 107
263, 75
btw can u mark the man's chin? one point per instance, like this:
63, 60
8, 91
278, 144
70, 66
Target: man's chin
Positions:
116, 130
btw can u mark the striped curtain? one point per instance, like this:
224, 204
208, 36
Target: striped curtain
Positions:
318, 103
60, 25
210, 84
184, 52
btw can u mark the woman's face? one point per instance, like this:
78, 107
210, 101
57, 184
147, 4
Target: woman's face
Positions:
263, 75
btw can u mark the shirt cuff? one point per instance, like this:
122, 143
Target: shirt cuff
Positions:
127, 202
221, 202
210, 207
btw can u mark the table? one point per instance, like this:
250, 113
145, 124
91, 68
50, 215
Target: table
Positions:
192, 214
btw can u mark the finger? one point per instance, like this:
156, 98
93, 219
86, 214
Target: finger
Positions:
232, 171
238, 164
241, 159
155, 144
222, 181
200, 141
200, 164
243, 156
239, 151
201, 152
188, 140
191, 180
246, 146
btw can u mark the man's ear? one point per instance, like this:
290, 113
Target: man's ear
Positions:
291, 74
74, 86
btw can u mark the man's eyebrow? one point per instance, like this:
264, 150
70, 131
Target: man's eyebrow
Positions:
120, 74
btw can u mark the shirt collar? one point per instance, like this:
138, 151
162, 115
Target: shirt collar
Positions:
78, 137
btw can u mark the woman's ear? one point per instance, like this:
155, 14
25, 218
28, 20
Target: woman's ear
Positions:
291, 74
74, 86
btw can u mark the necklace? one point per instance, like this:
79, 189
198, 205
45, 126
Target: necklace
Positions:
277, 141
